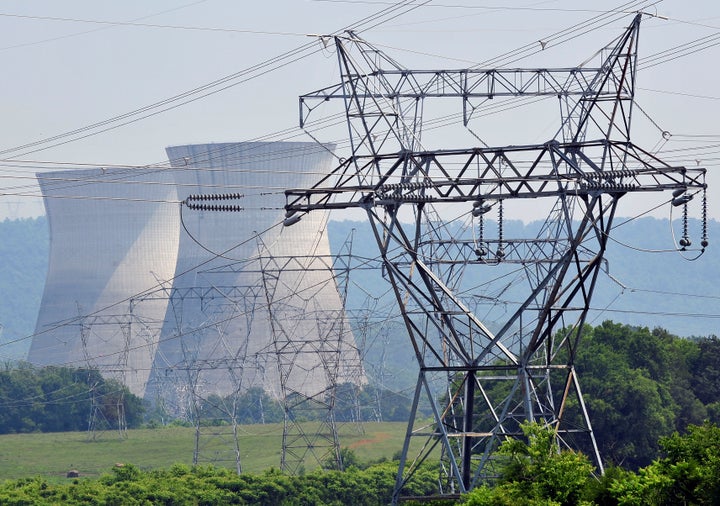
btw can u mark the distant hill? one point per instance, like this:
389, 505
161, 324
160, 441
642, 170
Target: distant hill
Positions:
660, 289
23, 266
638, 287
641, 287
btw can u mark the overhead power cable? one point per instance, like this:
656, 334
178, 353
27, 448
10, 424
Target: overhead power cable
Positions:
149, 25
211, 88
129, 116
414, 6
77, 34
377, 19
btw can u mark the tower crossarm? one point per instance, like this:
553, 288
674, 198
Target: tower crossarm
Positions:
467, 84
485, 175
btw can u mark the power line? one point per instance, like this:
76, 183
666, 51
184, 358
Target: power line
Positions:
150, 25
53, 39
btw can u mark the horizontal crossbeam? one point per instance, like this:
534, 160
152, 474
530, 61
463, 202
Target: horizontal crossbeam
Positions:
485, 174
462, 83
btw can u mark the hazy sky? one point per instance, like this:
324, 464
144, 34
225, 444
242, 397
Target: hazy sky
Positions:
73, 64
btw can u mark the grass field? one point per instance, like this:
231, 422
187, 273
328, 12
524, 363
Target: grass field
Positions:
53, 455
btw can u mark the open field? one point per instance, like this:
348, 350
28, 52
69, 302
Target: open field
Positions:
52, 455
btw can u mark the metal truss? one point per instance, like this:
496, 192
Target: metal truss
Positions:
303, 334
89, 337
225, 357
482, 374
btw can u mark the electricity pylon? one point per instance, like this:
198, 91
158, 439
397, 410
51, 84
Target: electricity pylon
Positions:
100, 416
520, 368
312, 346
209, 353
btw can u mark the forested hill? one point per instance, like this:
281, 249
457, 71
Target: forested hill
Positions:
651, 289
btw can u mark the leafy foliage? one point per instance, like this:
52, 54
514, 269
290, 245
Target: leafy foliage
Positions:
536, 473
184, 485
690, 469
59, 399
641, 385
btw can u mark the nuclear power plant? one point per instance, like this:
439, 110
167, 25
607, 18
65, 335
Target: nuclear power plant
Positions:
173, 301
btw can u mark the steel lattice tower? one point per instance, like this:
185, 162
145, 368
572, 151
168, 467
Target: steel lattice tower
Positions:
300, 351
186, 385
521, 368
96, 334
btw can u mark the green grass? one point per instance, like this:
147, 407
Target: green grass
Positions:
52, 455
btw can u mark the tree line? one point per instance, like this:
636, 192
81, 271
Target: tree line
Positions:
641, 385
61, 399
350, 404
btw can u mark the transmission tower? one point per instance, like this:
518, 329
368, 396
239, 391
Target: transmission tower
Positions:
211, 361
93, 342
482, 381
313, 353
312, 345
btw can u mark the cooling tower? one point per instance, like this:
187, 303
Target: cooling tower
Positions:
180, 303
253, 303
113, 234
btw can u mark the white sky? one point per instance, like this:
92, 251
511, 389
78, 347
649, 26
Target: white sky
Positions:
74, 63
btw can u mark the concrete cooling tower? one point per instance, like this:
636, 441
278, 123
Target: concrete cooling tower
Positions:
253, 303
174, 301
112, 234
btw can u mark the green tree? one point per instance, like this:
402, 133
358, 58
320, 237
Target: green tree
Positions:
688, 473
256, 406
705, 378
536, 472
54, 399
638, 387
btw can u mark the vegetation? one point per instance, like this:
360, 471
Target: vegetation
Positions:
641, 385
368, 404
59, 399
62, 399
180, 485
534, 473
537, 474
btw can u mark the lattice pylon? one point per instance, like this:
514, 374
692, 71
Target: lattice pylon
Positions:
304, 443
521, 369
